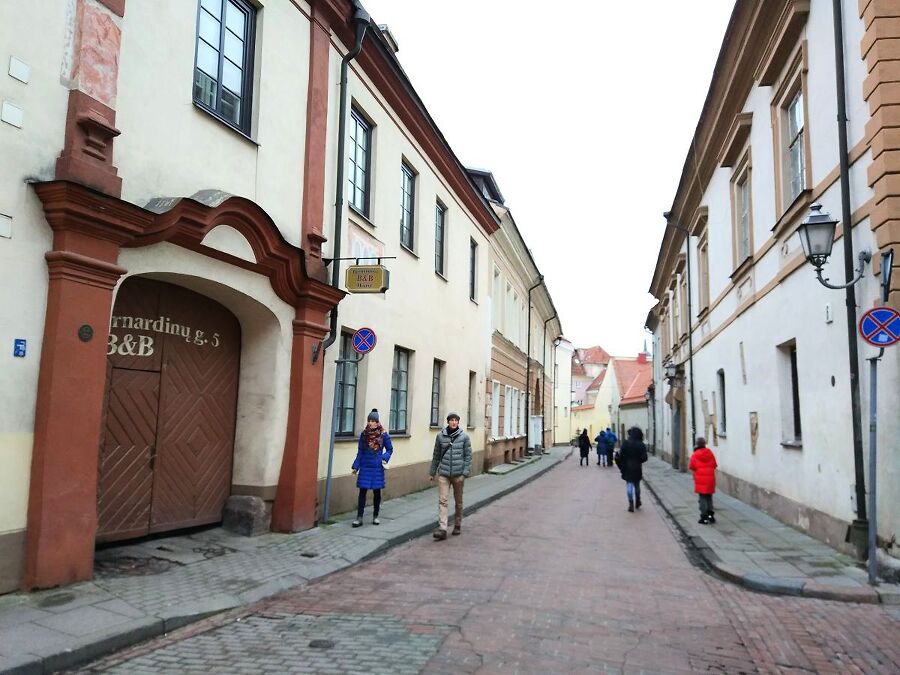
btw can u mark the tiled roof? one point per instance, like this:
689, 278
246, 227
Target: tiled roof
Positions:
583, 407
596, 355
597, 381
578, 370
632, 377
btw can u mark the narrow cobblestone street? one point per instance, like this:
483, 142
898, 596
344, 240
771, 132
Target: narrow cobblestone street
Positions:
556, 577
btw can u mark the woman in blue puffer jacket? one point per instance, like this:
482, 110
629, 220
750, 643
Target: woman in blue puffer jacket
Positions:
374, 452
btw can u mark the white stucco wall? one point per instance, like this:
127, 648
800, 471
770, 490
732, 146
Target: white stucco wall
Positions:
562, 396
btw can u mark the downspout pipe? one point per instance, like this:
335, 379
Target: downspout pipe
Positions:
361, 19
859, 527
544, 374
528, 367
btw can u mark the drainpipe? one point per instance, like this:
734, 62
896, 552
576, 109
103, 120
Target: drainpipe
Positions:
361, 19
544, 375
528, 367
859, 527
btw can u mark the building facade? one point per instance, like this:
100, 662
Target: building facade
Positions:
628, 406
757, 350
174, 255
562, 392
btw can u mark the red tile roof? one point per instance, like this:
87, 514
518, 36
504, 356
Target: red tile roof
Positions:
632, 378
597, 381
596, 355
578, 370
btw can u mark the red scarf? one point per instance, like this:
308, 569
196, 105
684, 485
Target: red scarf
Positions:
373, 437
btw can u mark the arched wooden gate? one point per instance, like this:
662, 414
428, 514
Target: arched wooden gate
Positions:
168, 443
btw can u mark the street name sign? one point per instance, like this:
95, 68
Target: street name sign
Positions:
364, 340
880, 326
367, 279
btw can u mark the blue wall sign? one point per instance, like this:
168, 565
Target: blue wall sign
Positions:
19, 347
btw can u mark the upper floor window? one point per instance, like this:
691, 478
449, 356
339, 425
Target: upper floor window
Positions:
223, 77
742, 210
360, 152
473, 269
407, 205
440, 236
497, 303
346, 392
703, 264
399, 392
796, 159
436, 375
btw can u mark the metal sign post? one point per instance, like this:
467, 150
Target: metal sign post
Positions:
363, 342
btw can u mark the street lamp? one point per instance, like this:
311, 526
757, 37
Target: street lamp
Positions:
817, 237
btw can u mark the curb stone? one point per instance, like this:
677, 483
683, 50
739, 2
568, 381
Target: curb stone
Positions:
140, 630
765, 584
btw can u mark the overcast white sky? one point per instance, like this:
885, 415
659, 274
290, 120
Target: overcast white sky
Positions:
584, 111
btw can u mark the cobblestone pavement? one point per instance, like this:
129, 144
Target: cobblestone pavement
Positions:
556, 577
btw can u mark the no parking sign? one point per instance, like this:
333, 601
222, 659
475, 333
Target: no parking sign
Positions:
880, 327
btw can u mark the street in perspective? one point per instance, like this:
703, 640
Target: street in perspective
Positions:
380, 336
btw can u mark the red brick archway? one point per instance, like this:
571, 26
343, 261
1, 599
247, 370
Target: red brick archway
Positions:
89, 229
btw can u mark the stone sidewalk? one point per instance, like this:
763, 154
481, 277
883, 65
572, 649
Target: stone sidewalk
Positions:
149, 589
753, 549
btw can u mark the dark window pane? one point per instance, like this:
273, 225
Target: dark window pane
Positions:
234, 19
204, 88
209, 28
214, 7
207, 59
231, 107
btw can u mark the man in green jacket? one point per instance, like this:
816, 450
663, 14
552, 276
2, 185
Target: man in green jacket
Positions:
451, 463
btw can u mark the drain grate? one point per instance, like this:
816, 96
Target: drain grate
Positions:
321, 644
309, 554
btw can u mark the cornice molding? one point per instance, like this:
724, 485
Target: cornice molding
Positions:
784, 39
736, 139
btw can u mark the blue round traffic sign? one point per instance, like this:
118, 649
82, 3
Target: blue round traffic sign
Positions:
880, 326
364, 340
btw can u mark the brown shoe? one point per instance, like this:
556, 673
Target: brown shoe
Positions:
440, 535
457, 529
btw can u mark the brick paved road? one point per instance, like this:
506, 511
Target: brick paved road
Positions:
556, 577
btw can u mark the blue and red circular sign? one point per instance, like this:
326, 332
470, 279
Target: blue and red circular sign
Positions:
364, 340
880, 326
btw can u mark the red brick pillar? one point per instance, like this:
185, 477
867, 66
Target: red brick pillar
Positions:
295, 497
62, 500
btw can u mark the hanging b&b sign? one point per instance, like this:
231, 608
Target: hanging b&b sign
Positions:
367, 279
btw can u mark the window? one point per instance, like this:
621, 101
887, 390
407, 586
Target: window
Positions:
496, 303
676, 317
440, 235
796, 159
789, 389
723, 419
223, 68
685, 318
360, 151
523, 418
473, 269
703, 264
407, 205
743, 218
399, 392
436, 373
742, 210
470, 409
495, 410
346, 388
508, 410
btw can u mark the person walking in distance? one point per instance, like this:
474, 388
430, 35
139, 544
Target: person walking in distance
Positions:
584, 448
451, 463
372, 455
600, 440
611, 440
703, 465
630, 458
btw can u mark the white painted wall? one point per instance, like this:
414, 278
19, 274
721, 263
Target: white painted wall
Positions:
562, 394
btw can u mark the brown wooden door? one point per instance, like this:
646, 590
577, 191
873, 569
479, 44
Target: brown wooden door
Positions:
197, 412
166, 455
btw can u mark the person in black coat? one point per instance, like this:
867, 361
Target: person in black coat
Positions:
584, 445
629, 459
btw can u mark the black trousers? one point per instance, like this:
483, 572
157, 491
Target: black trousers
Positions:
706, 505
361, 503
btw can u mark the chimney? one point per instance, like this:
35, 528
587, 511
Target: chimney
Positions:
642, 358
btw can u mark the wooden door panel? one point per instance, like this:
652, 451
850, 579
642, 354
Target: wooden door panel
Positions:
197, 412
137, 326
125, 472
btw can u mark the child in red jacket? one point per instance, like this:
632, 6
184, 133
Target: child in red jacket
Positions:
703, 464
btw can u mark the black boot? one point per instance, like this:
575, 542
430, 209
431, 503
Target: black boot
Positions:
630, 506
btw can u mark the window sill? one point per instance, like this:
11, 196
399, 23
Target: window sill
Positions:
216, 116
435, 427
742, 268
794, 210
721, 434
346, 439
438, 274
702, 313
410, 251
353, 211
399, 434
792, 445
471, 427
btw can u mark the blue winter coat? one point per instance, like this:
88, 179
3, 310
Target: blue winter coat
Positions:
368, 462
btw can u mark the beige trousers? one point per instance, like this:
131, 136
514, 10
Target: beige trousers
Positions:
444, 484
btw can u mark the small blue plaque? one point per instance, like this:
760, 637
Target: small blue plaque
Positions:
19, 347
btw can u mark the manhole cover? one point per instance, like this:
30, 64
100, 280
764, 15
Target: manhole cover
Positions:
129, 566
321, 644
56, 600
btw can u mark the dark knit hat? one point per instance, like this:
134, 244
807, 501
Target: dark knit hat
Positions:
373, 416
453, 416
